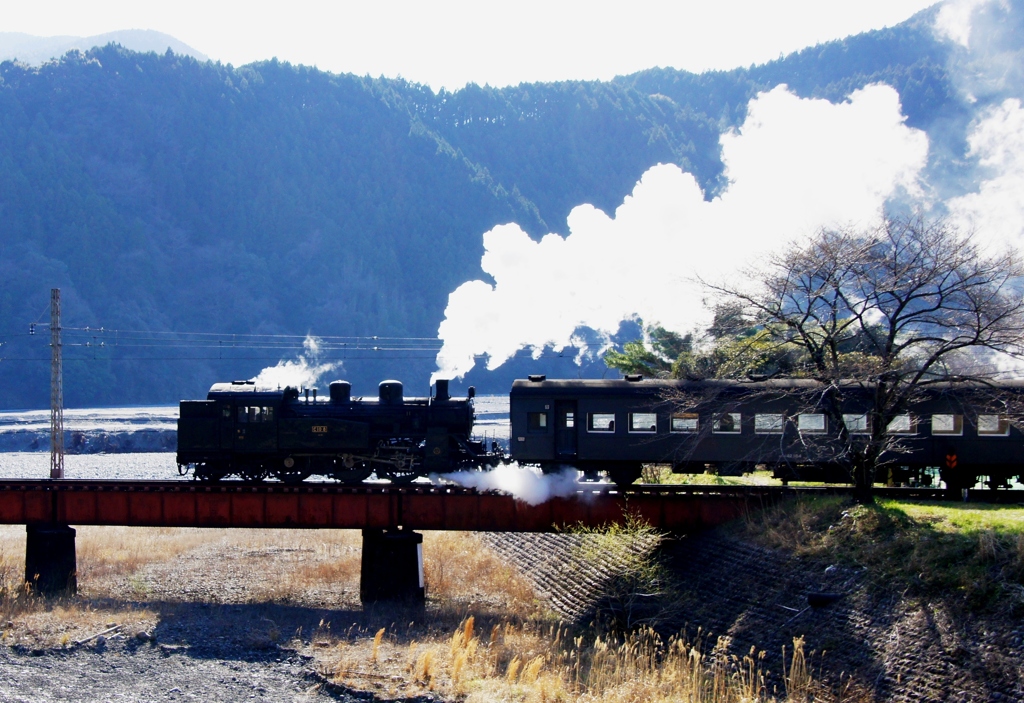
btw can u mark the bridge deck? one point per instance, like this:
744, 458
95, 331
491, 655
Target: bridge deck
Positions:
417, 506
324, 505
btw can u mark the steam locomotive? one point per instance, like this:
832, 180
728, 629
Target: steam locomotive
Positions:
253, 432
614, 427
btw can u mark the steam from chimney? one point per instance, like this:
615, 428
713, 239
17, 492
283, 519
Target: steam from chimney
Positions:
301, 372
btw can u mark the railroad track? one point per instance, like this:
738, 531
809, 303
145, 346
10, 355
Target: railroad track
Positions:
584, 491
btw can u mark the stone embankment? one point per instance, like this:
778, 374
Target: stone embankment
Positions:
734, 596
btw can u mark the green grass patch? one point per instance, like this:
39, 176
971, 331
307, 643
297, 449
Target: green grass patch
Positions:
970, 555
658, 474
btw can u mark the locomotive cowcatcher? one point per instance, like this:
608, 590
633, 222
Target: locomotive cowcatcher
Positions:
256, 432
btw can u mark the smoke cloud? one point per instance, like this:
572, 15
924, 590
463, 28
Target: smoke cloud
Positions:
996, 210
527, 484
987, 66
953, 20
793, 166
301, 372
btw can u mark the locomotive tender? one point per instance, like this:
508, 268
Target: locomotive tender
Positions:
729, 427
255, 432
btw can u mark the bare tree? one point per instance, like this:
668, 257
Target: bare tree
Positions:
885, 314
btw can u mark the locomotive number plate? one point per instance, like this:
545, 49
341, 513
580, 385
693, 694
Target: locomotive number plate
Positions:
319, 429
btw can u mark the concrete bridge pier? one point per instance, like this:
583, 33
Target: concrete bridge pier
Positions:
50, 564
392, 568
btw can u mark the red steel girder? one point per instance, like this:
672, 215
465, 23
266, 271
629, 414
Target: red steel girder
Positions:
327, 505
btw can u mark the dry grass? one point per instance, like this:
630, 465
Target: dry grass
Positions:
542, 664
460, 571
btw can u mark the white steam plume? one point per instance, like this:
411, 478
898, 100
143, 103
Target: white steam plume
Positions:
794, 165
987, 67
302, 372
953, 20
986, 62
525, 483
996, 210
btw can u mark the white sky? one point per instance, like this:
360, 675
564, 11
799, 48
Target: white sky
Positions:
451, 42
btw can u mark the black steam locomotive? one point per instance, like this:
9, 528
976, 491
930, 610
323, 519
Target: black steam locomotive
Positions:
954, 432
255, 433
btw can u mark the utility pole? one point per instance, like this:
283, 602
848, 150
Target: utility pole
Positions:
56, 390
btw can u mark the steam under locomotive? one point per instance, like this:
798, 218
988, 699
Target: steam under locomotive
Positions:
613, 427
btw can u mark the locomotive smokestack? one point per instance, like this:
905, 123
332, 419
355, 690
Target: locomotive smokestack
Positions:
442, 390
341, 392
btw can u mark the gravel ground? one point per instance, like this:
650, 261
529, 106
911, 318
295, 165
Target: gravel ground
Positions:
126, 670
217, 627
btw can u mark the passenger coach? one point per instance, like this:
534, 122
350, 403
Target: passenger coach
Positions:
957, 433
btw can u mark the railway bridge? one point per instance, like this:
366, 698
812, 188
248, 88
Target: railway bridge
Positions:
387, 514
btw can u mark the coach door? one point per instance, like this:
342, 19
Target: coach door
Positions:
566, 421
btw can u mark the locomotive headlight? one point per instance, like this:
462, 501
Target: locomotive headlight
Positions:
289, 462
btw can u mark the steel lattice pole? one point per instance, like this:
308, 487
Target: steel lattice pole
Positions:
56, 390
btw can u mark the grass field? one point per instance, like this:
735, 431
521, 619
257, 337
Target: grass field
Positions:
970, 555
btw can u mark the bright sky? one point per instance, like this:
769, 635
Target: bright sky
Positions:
451, 42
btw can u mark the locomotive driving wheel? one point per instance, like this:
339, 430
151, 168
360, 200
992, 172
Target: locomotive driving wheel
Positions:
399, 476
209, 472
349, 469
292, 470
253, 472
286, 476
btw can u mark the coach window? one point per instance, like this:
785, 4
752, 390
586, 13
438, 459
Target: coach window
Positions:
570, 419
948, 424
811, 423
993, 425
601, 422
856, 423
769, 423
537, 422
902, 424
643, 422
243, 413
727, 423
684, 422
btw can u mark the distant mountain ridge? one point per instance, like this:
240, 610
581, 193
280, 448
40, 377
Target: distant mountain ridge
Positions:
34, 50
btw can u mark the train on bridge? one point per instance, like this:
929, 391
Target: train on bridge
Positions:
953, 433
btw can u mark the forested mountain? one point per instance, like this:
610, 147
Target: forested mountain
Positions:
33, 50
165, 194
